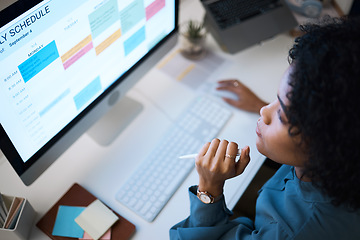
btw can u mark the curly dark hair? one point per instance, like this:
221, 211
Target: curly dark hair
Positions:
325, 105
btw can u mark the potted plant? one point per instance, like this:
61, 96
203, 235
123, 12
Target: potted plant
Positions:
193, 37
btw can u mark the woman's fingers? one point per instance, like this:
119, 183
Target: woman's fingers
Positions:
213, 148
229, 83
204, 149
243, 160
231, 152
247, 99
221, 151
219, 158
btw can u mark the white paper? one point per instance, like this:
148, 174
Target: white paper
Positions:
190, 72
96, 219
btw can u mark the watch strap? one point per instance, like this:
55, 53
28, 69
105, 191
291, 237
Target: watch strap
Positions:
212, 199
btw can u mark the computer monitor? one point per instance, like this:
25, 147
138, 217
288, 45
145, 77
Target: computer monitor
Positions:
66, 64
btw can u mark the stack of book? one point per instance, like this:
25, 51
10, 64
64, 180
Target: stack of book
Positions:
10, 208
91, 222
79, 214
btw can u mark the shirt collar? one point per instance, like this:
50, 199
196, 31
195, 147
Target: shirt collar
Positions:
306, 190
286, 177
309, 192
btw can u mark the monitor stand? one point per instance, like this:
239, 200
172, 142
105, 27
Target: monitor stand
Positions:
108, 127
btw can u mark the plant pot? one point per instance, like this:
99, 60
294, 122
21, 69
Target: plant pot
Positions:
192, 48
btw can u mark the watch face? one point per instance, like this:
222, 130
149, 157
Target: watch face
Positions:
205, 198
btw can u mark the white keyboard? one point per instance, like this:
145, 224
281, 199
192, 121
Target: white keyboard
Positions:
158, 177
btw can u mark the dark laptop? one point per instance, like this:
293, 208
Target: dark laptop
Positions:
238, 24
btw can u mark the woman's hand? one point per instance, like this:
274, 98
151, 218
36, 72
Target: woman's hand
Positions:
216, 163
247, 100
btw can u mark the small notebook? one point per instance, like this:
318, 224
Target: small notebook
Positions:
96, 219
79, 196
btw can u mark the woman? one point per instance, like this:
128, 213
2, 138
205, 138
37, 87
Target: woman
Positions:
312, 128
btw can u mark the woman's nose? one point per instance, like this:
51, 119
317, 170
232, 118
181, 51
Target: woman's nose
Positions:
265, 114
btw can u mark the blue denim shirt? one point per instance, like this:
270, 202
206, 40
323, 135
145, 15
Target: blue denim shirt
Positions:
286, 208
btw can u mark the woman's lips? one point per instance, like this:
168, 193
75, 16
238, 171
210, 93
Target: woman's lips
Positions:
257, 129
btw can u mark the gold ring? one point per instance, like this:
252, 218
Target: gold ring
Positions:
230, 156
236, 84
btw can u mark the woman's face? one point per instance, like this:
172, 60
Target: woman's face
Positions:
272, 130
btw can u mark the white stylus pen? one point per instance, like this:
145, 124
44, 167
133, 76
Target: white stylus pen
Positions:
194, 155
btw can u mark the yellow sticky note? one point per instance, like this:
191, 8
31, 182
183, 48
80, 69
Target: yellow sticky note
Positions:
96, 219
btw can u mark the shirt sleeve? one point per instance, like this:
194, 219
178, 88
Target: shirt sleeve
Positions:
207, 221
211, 221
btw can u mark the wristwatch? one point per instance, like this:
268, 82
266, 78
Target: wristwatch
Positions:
206, 197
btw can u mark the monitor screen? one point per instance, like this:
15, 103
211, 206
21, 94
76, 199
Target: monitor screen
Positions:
61, 58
